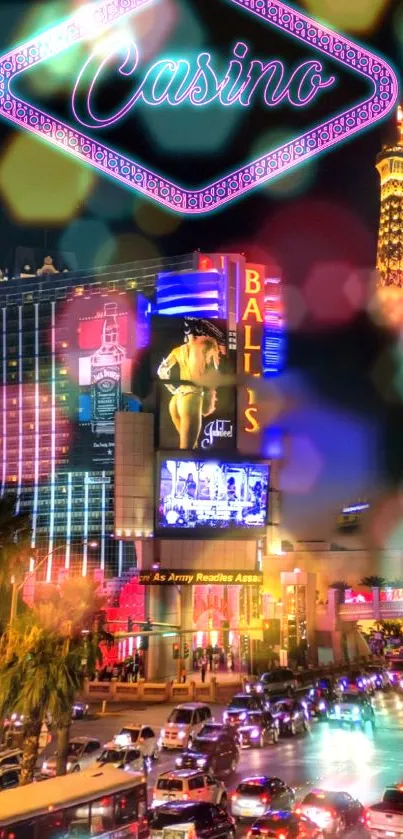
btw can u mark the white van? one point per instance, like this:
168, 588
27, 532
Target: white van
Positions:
183, 724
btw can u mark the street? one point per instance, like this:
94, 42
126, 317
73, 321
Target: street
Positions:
354, 761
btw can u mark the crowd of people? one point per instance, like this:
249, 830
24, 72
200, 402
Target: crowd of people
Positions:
46, 269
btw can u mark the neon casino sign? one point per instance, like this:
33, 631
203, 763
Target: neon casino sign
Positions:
198, 83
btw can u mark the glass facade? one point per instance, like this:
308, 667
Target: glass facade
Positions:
72, 507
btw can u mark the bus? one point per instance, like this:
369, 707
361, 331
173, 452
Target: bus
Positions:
103, 802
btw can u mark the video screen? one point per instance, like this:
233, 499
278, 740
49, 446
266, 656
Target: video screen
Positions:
199, 495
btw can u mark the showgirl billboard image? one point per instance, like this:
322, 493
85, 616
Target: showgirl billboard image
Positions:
193, 415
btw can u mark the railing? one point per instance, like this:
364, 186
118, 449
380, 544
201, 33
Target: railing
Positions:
158, 692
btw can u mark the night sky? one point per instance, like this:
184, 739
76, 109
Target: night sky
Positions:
344, 373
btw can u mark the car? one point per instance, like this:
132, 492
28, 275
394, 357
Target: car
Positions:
239, 707
214, 728
354, 709
193, 819
184, 722
80, 710
143, 737
379, 676
121, 757
9, 777
189, 785
10, 758
395, 670
315, 703
82, 754
284, 825
259, 793
279, 680
332, 811
358, 680
292, 716
216, 753
258, 729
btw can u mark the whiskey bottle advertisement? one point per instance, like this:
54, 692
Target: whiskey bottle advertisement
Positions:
106, 374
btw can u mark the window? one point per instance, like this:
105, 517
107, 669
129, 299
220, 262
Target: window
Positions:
147, 733
92, 746
196, 783
23, 830
101, 815
51, 826
10, 778
127, 806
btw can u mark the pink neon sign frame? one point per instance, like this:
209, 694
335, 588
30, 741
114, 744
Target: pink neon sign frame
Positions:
92, 20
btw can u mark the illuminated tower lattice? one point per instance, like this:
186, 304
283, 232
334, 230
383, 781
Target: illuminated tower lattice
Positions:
389, 164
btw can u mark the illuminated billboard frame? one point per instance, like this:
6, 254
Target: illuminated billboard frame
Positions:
209, 532
92, 20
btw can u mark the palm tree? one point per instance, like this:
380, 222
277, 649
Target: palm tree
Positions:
41, 666
373, 581
28, 659
75, 614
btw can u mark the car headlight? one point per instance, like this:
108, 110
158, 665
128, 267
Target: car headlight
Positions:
259, 688
45, 764
401, 683
356, 712
181, 735
69, 765
359, 683
201, 761
162, 732
312, 692
322, 706
225, 716
337, 710
255, 733
248, 688
286, 718
179, 762
242, 716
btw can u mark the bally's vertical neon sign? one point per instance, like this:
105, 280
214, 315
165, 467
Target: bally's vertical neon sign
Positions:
250, 338
177, 82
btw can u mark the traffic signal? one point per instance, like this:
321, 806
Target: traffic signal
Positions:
175, 651
186, 651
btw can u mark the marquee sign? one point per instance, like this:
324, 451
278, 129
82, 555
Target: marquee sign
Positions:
173, 81
171, 577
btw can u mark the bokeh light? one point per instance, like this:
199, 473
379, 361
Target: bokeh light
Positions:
153, 219
348, 15
85, 237
110, 201
128, 247
333, 293
295, 307
39, 184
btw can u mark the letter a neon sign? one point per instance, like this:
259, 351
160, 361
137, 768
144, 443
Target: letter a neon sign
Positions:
95, 19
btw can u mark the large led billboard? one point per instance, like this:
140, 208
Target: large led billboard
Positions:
96, 339
190, 357
204, 497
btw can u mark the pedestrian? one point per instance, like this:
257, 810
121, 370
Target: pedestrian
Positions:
210, 660
136, 667
203, 670
183, 675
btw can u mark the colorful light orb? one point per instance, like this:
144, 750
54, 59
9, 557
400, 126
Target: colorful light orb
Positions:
348, 15
129, 247
85, 237
333, 293
295, 307
40, 185
154, 220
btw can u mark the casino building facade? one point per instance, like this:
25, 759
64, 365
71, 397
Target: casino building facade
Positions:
134, 430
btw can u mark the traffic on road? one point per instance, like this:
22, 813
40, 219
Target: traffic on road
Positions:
282, 760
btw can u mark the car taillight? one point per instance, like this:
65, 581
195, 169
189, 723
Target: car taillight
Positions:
185, 796
298, 811
330, 814
234, 796
281, 836
264, 798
